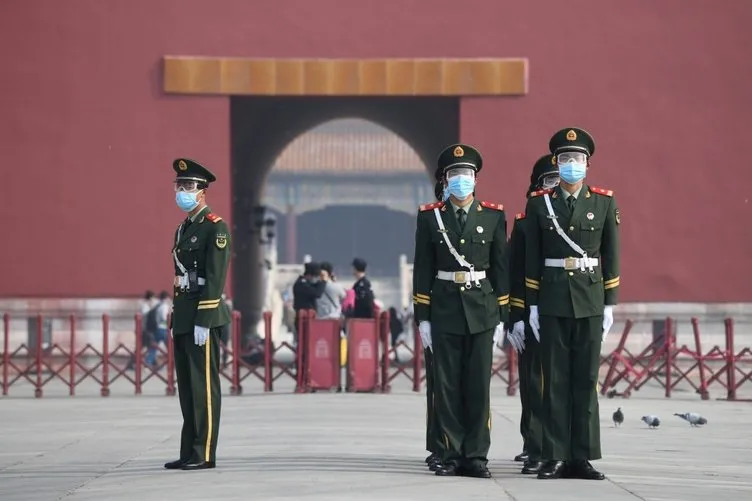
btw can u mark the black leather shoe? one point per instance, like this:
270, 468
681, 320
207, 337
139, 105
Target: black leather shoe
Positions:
522, 457
448, 470
476, 470
176, 465
552, 469
201, 465
435, 465
531, 467
583, 470
432, 458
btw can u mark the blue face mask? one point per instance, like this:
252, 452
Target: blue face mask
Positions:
186, 201
460, 186
572, 172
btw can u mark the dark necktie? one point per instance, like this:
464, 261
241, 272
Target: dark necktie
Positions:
461, 218
570, 203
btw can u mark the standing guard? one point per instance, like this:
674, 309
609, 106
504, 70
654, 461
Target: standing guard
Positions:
571, 279
202, 255
545, 175
461, 296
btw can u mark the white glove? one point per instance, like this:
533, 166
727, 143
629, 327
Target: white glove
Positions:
608, 320
534, 322
200, 335
498, 336
425, 334
517, 336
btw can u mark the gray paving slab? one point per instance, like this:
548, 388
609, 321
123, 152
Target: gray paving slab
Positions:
357, 447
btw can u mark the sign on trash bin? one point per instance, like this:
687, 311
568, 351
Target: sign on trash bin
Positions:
323, 368
362, 356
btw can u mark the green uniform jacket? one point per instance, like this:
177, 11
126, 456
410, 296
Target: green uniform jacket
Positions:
517, 309
594, 227
204, 247
483, 243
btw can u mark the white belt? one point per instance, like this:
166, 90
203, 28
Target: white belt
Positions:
201, 281
182, 281
461, 277
572, 263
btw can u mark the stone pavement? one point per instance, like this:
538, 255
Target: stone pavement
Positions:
354, 447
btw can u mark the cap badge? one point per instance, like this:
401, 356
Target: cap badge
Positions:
459, 152
571, 136
182, 165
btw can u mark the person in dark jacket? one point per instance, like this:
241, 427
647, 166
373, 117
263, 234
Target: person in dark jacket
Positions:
363, 292
306, 290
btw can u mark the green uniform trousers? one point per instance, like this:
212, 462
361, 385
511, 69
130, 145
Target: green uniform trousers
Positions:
530, 373
197, 369
434, 443
462, 367
570, 352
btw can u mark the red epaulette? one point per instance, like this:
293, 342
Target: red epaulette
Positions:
541, 192
213, 218
519, 216
435, 205
601, 191
489, 205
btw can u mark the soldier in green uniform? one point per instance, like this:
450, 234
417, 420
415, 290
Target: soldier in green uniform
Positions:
201, 255
545, 175
461, 296
433, 433
571, 281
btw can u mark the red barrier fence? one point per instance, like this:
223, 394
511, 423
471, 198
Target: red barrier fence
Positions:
74, 357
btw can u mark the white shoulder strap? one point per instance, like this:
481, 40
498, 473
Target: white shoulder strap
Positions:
174, 254
461, 260
563, 234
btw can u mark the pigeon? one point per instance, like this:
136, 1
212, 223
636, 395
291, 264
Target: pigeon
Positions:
692, 418
618, 417
652, 421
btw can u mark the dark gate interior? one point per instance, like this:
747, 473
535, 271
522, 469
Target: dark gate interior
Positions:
261, 127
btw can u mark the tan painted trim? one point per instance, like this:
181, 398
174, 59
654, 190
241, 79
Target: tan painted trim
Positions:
345, 77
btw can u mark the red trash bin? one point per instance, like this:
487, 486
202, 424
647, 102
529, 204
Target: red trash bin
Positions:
362, 355
323, 367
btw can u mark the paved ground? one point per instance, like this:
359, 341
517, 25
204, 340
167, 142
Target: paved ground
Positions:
356, 447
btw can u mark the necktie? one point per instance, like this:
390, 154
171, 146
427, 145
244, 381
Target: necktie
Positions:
461, 218
570, 203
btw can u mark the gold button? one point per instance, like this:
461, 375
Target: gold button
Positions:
462, 287
482, 241
571, 273
592, 229
178, 251
462, 241
462, 256
571, 228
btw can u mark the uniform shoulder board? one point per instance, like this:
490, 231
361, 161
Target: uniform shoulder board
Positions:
601, 191
541, 192
489, 205
213, 218
435, 205
519, 216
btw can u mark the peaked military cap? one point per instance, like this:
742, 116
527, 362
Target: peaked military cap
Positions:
458, 155
545, 165
186, 168
572, 139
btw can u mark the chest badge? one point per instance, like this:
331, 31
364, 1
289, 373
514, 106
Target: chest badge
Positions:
479, 229
193, 239
590, 216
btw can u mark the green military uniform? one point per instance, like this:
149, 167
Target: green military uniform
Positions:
529, 366
201, 255
434, 441
570, 295
463, 311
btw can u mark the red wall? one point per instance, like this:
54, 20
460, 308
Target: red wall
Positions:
87, 137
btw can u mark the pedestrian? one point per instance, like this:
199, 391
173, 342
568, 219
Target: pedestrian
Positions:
545, 175
364, 297
202, 255
572, 282
306, 290
461, 297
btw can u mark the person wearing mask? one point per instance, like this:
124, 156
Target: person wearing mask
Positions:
572, 282
364, 297
202, 257
545, 175
306, 291
461, 298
